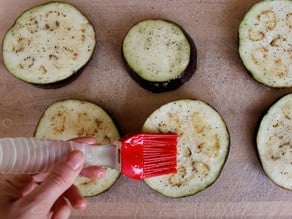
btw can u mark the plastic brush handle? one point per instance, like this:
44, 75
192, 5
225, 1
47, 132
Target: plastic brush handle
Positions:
32, 155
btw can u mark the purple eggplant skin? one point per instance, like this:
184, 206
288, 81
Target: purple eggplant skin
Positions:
74, 75
59, 84
261, 116
173, 84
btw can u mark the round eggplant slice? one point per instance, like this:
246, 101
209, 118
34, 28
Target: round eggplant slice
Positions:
265, 39
69, 119
274, 142
159, 55
203, 146
48, 43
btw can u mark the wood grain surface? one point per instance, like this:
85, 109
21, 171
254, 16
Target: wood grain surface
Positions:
242, 190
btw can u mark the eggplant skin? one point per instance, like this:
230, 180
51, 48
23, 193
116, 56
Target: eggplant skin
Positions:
203, 146
62, 83
168, 85
49, 44
71, 118
265, 39
274, 142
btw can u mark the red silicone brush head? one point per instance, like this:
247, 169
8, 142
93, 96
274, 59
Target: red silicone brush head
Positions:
145, 155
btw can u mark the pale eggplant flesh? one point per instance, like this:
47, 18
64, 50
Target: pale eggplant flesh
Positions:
265, 39
274, 142
67, 119
159, 55
203, 146
48, 43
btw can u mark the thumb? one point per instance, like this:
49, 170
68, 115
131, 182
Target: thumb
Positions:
59, 179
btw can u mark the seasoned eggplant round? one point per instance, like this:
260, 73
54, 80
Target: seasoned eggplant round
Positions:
48, 43
159, 55
203, 146
265, 39
69, 119
274, 142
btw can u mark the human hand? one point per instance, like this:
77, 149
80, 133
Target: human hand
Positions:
45, 195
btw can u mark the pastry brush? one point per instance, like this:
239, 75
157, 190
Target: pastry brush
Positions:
138, 156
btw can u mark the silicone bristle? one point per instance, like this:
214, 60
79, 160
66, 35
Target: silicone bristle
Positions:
159, 153
147, 155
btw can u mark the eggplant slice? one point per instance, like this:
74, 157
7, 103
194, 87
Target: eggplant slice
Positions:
203, 146
274, 142
265, 42
48, 43
69, 119
159, 55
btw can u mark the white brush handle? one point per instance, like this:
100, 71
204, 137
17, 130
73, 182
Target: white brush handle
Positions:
32, 155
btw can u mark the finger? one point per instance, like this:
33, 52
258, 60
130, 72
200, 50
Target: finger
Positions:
75, 198
61, 209
40, 177
59, 179
19, 181
93, 172
86, 140
23, 183
9, 192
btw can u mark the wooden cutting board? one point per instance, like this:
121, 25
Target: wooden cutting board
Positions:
242, 190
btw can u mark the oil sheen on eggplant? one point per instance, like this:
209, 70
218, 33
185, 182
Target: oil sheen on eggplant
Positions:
159, 55
265, 39
274, 142
203, 146
69, 118
48, 44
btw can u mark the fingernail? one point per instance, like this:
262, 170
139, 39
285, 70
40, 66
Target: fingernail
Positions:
75, 160
93, 172
83, 205
100, 173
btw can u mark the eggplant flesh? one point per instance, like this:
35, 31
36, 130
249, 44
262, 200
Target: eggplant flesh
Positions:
274, 142
48, 43
159, 55
265, 39
203, 146
67, 119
